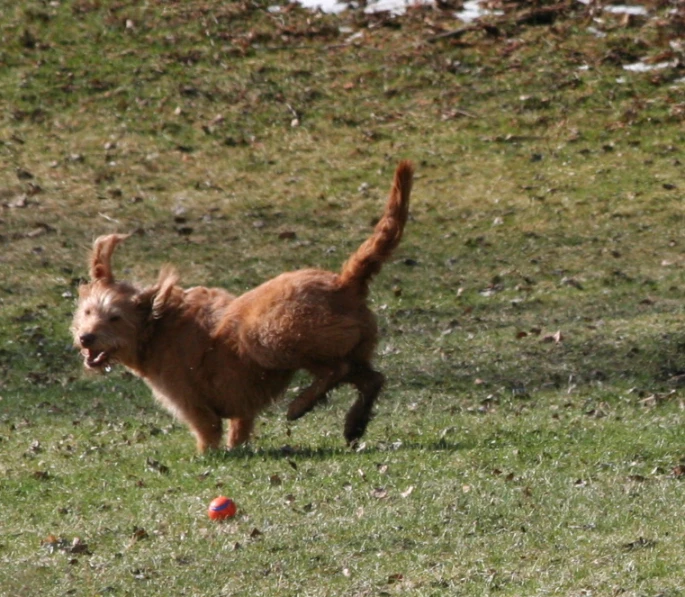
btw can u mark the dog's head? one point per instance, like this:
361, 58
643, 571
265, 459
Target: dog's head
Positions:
111, 317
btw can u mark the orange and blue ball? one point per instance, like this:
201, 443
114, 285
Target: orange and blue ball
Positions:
221, 508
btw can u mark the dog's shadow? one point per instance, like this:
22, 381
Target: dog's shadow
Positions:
294, 454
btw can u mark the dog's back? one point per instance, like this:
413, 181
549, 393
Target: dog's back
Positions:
305, 318
300, 319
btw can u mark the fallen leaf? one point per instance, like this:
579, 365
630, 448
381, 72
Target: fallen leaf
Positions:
407, 492
556, 338
572, 282
654, 400
379, 493
78, 547
20, 202
40, 230
639, 543
637, 478
51, 543
36, 232
155, 465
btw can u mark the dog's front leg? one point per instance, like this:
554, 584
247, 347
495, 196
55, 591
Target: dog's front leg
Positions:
205, 424
239, 432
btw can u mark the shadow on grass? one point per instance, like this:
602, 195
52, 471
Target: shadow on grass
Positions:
653, 359
297, 453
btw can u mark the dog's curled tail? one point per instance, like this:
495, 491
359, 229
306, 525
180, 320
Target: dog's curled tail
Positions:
368, 259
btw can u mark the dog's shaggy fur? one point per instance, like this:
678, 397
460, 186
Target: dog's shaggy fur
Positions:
208, 355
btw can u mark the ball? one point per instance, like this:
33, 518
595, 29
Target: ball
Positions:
221, 507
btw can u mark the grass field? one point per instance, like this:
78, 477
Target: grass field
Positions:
530, 439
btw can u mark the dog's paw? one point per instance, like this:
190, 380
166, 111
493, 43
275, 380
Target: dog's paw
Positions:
297, 411
354, 431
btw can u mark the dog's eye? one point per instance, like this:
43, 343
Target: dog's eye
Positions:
86, 312
114, 318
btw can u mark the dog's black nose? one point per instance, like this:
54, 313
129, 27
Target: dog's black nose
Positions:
86, 340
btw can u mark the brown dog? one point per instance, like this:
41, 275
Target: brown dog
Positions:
208, 355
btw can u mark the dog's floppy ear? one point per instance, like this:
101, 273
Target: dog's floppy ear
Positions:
101, 257
159, 297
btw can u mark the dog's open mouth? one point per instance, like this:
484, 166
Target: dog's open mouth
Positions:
96, 359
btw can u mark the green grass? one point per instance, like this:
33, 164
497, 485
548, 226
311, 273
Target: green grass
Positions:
530, 438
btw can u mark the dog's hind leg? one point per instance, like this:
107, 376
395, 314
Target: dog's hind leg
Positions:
369, 384
239, 431
325, 379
